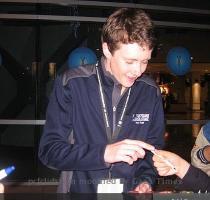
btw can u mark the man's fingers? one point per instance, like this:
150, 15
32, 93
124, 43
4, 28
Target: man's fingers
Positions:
163, 168
127, 159
133, 149
159, 163
130, 150
140, 144
132, 154
164, 172
143, 188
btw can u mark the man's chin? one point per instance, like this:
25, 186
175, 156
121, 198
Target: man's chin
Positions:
128, 84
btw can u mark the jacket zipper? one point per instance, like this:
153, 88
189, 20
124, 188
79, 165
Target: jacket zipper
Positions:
114, 117
114, 121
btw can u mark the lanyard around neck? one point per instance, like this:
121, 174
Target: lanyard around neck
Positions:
111, 137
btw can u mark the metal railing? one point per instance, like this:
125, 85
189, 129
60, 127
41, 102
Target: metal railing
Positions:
42, 122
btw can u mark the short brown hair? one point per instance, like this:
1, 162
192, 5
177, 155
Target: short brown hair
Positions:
127, 25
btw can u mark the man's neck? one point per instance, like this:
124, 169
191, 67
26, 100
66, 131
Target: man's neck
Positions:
107, 66
108, 69
122, 90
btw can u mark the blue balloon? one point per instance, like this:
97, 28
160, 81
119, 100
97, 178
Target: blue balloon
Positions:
81, 56
179, 61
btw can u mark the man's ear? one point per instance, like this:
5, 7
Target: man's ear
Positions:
106, 51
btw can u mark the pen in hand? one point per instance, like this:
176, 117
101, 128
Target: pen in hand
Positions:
165, 160
6, 171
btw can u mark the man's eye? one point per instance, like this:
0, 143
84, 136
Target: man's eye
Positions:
130, 63
145, 62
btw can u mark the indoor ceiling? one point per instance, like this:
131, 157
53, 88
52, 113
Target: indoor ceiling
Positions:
179, 13
188, 18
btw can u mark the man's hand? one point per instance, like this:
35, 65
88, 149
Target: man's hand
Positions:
126, 151
143, 187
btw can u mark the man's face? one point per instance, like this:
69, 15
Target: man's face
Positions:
127, 63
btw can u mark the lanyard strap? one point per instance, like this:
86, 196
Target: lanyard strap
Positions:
111, 137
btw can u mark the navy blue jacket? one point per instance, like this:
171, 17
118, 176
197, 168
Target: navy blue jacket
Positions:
75, 106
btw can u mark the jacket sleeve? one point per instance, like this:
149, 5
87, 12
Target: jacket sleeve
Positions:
200, 142
147, 171
55, 150
195, 180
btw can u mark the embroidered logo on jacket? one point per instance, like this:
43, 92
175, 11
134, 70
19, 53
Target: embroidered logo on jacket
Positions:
140, 118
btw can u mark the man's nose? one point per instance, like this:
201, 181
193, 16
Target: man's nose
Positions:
137, 70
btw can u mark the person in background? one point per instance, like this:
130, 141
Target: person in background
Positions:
1, 188
193, 179
110, 110
200, 154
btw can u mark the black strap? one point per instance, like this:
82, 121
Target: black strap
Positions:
111, 137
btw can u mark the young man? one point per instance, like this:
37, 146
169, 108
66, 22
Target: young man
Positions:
193, 179
110, 108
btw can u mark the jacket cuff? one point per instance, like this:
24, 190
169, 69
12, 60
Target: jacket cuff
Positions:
201, 156
108, 165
